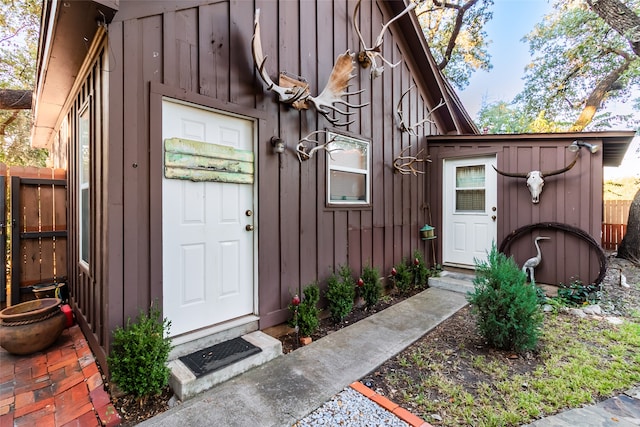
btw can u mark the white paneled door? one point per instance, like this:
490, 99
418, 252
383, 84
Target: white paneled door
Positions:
207, 229
469, 209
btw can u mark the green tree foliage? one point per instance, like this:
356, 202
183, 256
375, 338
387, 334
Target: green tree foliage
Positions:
455, 33
308, 312
580, 64
19, 29
508, 314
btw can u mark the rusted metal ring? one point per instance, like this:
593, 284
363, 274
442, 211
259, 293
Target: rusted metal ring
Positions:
578, 232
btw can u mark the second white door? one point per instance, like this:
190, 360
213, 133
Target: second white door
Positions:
469, 209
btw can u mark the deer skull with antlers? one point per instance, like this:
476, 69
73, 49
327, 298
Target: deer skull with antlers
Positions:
299, 96
535, 179
368, 56
411, 129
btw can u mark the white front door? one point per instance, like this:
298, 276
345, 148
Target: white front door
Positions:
207, 237
469, 210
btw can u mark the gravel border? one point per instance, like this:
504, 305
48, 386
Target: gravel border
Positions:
351, 408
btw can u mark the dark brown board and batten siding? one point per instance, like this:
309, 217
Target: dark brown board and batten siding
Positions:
573, 198
201, 53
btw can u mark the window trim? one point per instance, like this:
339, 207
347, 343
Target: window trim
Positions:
85, 109
366, 172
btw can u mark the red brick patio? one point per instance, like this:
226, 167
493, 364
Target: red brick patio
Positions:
60, 386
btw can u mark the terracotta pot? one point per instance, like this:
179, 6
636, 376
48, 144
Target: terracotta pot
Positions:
305, 340
31, 326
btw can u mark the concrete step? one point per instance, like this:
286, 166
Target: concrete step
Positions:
453, 281
185, 384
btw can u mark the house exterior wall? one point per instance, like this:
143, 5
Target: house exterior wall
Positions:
201, 53
573, 198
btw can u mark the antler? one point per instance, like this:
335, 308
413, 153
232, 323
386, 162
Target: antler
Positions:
411, 129
333, 92
301, 146
369, 55
407, 167
286, 95
335, 89
526, 174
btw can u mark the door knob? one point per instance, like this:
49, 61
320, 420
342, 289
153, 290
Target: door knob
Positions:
249, 227
248, 212
493, 217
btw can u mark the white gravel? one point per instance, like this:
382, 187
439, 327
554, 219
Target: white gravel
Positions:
350, 408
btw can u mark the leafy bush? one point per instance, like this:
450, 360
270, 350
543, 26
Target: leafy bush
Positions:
403, 280
372, 289
576, 293
340, 293
509, 316
420, 271
307, 317
138, 359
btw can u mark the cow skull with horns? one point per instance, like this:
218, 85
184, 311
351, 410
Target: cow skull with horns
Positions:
535, 179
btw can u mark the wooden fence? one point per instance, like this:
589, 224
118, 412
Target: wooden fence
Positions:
36, 227
614, 222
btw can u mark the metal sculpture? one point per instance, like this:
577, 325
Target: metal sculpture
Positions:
298, 94
530, 264
535, 179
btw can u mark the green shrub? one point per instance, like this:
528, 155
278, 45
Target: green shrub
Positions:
308, 316
403, 279
138, 358
575, 293
340, 293
372, 289
508, 314
420, 271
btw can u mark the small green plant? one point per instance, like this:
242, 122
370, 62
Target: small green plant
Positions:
419, 271
509, 315
371, 289
576, 293
138, 359
403, 279
340, 293
306, 314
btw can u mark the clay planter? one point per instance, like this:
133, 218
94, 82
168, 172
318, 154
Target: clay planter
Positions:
31, 326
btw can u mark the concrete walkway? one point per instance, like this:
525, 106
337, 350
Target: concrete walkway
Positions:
619, 411
286, 389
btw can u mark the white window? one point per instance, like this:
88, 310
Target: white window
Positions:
348, 174
470, 188
84, 160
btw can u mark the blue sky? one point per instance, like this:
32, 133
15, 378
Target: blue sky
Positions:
512, 20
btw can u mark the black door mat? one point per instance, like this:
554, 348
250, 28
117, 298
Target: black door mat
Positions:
218, 356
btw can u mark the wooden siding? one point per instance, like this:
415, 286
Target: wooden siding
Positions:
201, 53
88, 284
573, 198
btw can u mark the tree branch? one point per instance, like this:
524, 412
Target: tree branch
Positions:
621, 18
14, 99
597, 95
461, 10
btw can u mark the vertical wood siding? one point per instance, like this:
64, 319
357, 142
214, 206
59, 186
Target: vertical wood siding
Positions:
573, 198
204, 51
